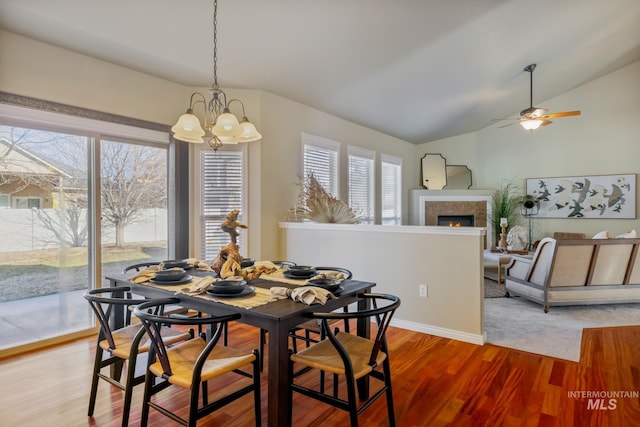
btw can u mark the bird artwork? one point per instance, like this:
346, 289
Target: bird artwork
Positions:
615, 196
563, 194
603, 196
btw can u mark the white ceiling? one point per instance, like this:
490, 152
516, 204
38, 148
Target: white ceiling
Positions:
418, 70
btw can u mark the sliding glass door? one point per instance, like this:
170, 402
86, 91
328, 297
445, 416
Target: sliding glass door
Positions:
44, 218
74, 206
133, 198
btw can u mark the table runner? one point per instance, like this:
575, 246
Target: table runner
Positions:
260, 297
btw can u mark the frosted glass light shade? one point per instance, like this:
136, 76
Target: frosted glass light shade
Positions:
226, 125
228, 140
249, 132
188, 129
531, 124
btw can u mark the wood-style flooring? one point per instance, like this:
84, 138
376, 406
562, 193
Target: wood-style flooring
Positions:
437, 382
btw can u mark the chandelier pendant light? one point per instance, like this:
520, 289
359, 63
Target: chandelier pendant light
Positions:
219, 126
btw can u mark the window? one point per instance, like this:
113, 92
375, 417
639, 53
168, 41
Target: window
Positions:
320, 158
26, 202
391, 189
57, 170
223, 189
361, 183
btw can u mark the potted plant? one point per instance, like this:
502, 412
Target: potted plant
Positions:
505, 205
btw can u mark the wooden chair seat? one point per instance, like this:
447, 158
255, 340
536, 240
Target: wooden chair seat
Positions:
191, 364
324, 355
182, 358
117, 346
351, 356
125, 337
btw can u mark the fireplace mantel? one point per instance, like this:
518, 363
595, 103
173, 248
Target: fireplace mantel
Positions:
453, 202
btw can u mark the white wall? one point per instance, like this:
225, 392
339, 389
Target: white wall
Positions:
398, 259
605, 139
281, 159
39, 70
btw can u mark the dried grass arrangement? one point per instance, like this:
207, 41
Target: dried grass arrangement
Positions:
315, 204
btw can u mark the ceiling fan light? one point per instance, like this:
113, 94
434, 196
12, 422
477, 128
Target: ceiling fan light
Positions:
227, 125
531, 124
188, 128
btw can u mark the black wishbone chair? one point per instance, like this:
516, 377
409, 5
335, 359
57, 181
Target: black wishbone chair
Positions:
313, 326
141, 266
192, 363
122, 345
351, 356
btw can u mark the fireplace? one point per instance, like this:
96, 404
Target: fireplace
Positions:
456, 220
427, 206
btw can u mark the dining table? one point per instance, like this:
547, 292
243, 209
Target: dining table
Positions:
278, 316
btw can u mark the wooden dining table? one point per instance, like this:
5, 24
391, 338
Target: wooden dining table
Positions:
277, 317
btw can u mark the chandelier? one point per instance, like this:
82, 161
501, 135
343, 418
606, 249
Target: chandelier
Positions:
220, 125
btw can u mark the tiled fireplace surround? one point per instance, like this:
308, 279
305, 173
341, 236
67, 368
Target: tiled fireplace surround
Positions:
426, 205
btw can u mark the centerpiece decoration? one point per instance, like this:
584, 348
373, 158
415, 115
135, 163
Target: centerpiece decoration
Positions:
317, 205
228, 262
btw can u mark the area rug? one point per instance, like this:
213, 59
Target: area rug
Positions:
517, 323
493, 289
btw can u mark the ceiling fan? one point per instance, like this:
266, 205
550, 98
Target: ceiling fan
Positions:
533, 117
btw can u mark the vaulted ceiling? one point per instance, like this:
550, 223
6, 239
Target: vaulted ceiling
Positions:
419, 70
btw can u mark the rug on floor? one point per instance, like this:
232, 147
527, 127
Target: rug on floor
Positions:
493, 289
523, 325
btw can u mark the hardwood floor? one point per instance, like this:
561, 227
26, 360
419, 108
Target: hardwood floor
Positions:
437, 382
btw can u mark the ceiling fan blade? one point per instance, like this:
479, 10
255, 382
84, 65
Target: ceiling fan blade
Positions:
508, 124
562, 114
545, 122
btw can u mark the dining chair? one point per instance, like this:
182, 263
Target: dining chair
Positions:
312, 326
122, 345
140, 266
191, 364
175, 311
350, 356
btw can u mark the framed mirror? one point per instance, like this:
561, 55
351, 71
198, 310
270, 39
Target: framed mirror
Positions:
434, 171
458, 177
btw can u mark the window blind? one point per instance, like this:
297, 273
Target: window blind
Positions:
320, 158
391, 170
362, 183
223, 188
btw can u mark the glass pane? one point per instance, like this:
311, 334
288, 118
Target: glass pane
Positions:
43, 235
134, 204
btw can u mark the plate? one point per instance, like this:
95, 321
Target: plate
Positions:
299, 276
185, 279
300, 270
248, 290
170, 263
228, 287
329, 284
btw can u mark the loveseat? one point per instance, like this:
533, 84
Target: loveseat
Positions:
577, 272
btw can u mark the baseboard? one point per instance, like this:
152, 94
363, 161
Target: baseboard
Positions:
440, 332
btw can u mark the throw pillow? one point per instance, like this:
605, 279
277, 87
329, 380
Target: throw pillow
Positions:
601, 235
631, 234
